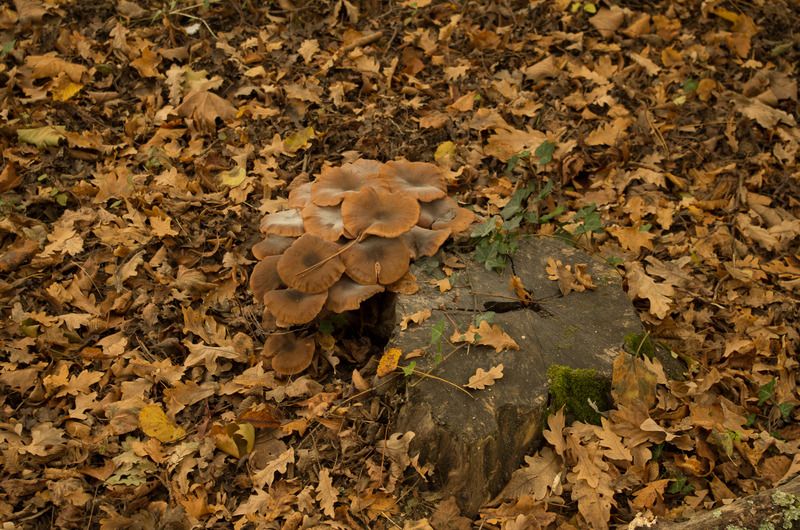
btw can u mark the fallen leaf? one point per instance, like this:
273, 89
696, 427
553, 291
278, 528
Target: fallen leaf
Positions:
42, 136
640, 285
299, 140
236, 439
417, 318
326, 493
388, 362
482, 378
154, 422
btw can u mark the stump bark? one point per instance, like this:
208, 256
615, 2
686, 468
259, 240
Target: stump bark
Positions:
778, 507
475, 443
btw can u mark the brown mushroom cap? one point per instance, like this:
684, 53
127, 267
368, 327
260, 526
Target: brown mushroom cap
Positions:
445, 213
265, 277
421, 180
335, 183
379, 213
271, 245
323, 221
377, 260
290, 354
286, 223
268, 321
291, 307
347, 295
300, 196
405, 285
423, 242
311, 264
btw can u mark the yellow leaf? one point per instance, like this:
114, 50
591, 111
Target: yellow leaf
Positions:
154, 422
445, 153
389, 361
42, 136
236, 439
723, 13
299, 140
66, 91
233, 177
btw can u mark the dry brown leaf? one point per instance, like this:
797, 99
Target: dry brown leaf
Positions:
608, 21
640, 285
516, 284
483, 378
568, 280
540, 477
417, 318
326, 493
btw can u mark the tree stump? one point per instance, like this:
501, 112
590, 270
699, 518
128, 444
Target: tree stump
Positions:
475, 442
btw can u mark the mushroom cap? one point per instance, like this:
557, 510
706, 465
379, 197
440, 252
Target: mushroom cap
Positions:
335, 183
271, 245
265, 277
405, 285
311, 264
347, 295
377, 260
323, 221
300, 195
285, 223
380, 213
445, 213
291, 307
290, 354
423, 242
421, 180
268, 321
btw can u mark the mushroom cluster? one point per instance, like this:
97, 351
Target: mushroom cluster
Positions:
347, 236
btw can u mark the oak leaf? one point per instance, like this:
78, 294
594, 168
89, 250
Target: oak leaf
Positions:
326, 493
482, 378
540, 477
640, 285
417, 318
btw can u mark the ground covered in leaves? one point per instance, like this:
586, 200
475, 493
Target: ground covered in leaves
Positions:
142, 141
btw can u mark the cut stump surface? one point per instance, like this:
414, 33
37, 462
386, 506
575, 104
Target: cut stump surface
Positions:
475, 443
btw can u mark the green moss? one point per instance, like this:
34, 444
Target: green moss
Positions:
576, 388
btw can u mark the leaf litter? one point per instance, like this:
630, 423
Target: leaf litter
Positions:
141, 143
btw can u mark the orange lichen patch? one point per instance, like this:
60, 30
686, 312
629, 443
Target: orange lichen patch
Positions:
291, 307
271, 245
300, 196
425, 182
347, 295
286, 223
311, 264
445, 213
335, 183
265, 277
379, 213
323, 221
377, 260
290, 353
423, 242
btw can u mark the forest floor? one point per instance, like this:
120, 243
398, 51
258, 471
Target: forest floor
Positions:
143, 140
